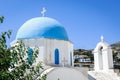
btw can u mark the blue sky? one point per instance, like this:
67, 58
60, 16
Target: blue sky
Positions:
84, 20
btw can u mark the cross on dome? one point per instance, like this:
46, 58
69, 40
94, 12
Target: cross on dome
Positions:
43, 11
102, 38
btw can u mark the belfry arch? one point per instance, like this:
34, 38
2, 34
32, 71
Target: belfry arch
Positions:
100, 50
103, 59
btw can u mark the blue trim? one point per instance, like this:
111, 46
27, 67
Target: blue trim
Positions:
71, 58
56, 56
30, 55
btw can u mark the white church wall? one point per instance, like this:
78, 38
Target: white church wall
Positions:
49, 46
96, 61
64, 51
70, 47
106, 60
32, 43
47, 49
40, 57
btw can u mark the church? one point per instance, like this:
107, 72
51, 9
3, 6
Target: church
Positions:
50, 37
55, 48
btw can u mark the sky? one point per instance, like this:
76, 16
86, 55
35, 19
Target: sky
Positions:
84, 20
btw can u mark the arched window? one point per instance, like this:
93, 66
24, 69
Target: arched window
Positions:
30, 55
56, 56
71, 58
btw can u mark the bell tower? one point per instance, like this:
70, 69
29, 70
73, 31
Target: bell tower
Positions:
103, 59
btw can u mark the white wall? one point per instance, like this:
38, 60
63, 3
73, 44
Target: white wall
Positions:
47, 49
103, 60
64, 47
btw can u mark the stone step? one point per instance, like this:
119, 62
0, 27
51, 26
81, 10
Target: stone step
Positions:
103, 75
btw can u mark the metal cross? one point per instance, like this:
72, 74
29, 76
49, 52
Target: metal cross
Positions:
43, 12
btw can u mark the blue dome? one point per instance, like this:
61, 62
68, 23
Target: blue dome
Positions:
42, 27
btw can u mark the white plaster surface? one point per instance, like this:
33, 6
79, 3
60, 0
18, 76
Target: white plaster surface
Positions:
103, 75
47, 49
103, 62
64, 73
103, 59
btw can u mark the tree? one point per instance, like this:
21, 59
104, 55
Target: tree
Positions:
1, 19
14, 63
5, 58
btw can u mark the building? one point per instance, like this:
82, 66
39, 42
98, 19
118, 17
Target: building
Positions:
55, 48
82, 58
51, 38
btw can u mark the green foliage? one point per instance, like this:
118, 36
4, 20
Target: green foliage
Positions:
5, 56
44, 77
20, 66
14, 63
116, 66
1, 19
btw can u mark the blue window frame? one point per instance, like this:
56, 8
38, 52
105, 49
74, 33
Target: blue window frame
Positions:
56, 56
30, 55
71, 58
